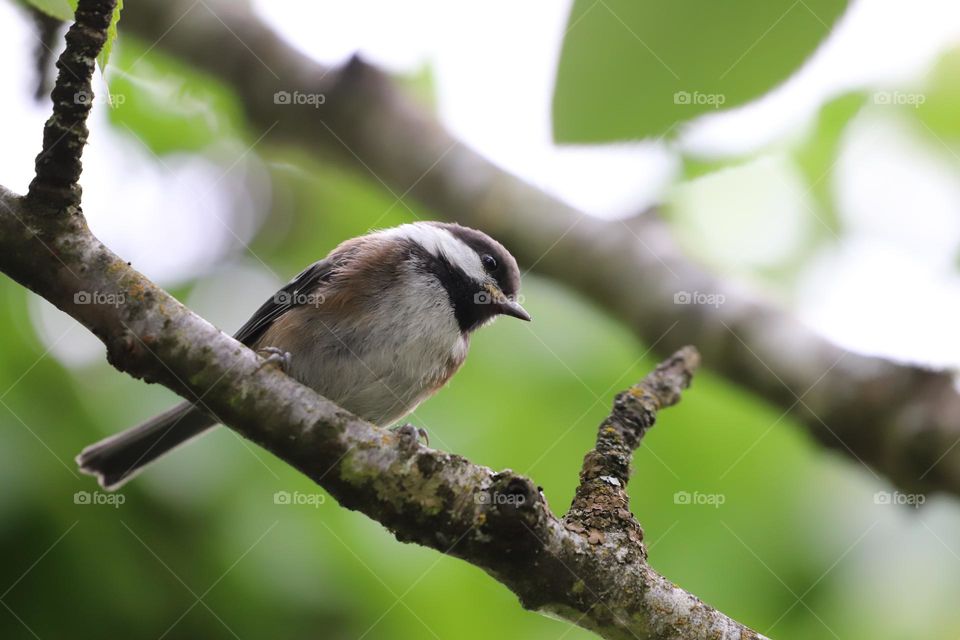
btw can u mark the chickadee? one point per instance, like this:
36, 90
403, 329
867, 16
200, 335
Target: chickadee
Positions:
378, 326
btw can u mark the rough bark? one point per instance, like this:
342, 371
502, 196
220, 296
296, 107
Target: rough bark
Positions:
65, 132
898, 420
589, 568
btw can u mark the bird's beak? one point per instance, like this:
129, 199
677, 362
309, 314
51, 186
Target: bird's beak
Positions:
507, 306
513, 308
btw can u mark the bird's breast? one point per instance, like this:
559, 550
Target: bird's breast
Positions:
381, 362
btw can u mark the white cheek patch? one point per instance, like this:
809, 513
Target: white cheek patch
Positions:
439, 241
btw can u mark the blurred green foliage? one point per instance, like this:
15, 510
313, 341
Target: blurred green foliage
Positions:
937, 106
166, 105
817, 153
806, 175
635, 69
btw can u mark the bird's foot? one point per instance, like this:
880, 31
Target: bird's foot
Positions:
414, 434
275, 356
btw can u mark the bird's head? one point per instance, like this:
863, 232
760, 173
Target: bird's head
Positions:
481, 278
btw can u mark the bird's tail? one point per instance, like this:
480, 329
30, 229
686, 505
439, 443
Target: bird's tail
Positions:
118, 458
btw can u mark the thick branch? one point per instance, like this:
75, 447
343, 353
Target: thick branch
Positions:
900, 420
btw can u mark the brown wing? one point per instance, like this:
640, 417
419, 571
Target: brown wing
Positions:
295, 293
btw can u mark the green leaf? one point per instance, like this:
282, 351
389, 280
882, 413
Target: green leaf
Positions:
166, 104
111, 36
421, 84
694, 167
59, 9
817, 156
637, 68
937, 107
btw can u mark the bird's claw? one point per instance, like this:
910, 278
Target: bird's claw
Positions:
275, 356
414, 434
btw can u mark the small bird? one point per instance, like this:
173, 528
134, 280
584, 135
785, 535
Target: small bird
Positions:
378, 326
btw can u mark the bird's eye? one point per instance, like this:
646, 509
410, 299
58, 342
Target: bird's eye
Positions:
489, 262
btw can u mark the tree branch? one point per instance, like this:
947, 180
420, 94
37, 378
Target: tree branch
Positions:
600, 504
497, 521
65, 132
902, 421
